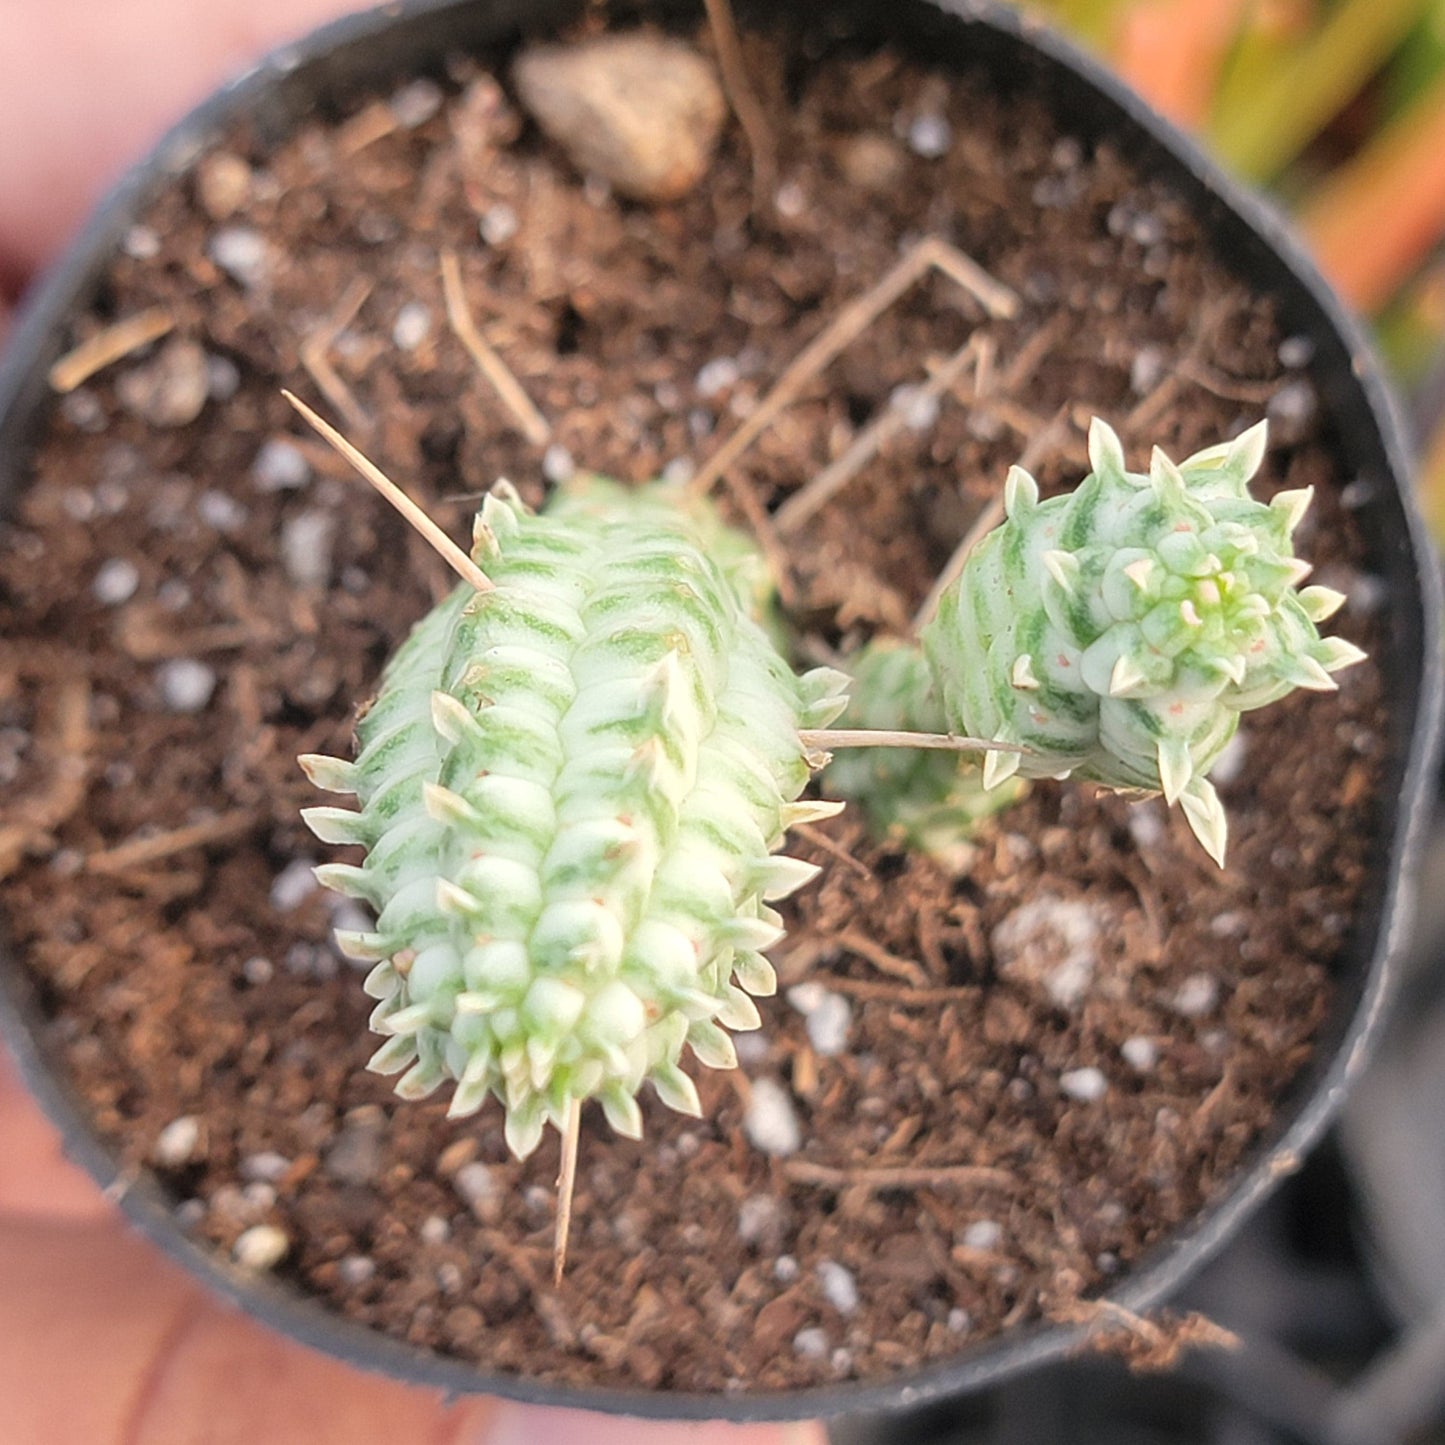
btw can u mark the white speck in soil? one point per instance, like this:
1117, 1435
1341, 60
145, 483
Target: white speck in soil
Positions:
557, 464
1229, 765
983, 1234
839, 1286
1290, 411
1139, 1053
243, 253
354, 1270
115, 582
223, 377
785, 1269
221, 512
1147, 824
537, 1200
141, 243
771, 1122
170, 389
261, 1247
811, 1343
752, 1048
679, 471
1087, 1085
82, 409
841, 1360
264, 1168
293, 885
178, 1143
958, 1321
919, 409
791, 200
305, 960
186, 684
499, 224
716, 376
762, 1220
1050, 944
258, 970
930, 135
1295, 352
280, 466
434, 1230
415, 103
412, 325
828, 1020
1353, 496
306, 547
449, 1278
259, 1196
1196, 996
1146, 371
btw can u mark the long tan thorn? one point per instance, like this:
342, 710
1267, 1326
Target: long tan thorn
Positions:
533, 424
450, 553
828, 739
566, 1183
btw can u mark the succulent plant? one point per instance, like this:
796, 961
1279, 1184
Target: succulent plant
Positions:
932, 801
1118, 631
572, 790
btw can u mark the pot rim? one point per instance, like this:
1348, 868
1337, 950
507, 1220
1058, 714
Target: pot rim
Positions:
34, 343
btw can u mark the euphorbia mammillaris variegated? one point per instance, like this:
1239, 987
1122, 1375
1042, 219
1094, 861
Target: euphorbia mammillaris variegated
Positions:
1118, 631
572, 790
573, 785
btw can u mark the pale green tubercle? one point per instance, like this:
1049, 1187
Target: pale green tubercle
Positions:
1117, 632
572, 789
929, 800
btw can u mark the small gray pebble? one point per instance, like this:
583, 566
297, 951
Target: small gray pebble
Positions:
415, 103
243, 253
412, 326
221, 512
293, 885
717, 375
264, 1168
1139, 1053
223, 377
434, 1230
557, 464
983, 1234
785, 1269
930, 136
1086, 1085
258, 970
306, 541
811, 1343
261, 1247
771, 1122
280, 466
186, 684
356, 1269
499, 224
178, 1143
115, 582
840, 1288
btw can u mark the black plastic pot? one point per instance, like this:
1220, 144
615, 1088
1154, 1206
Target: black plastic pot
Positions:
345, 58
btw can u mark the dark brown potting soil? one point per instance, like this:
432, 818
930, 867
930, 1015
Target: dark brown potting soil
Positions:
194, 591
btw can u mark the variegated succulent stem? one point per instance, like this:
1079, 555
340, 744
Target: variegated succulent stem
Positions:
572, 790
1119, 631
